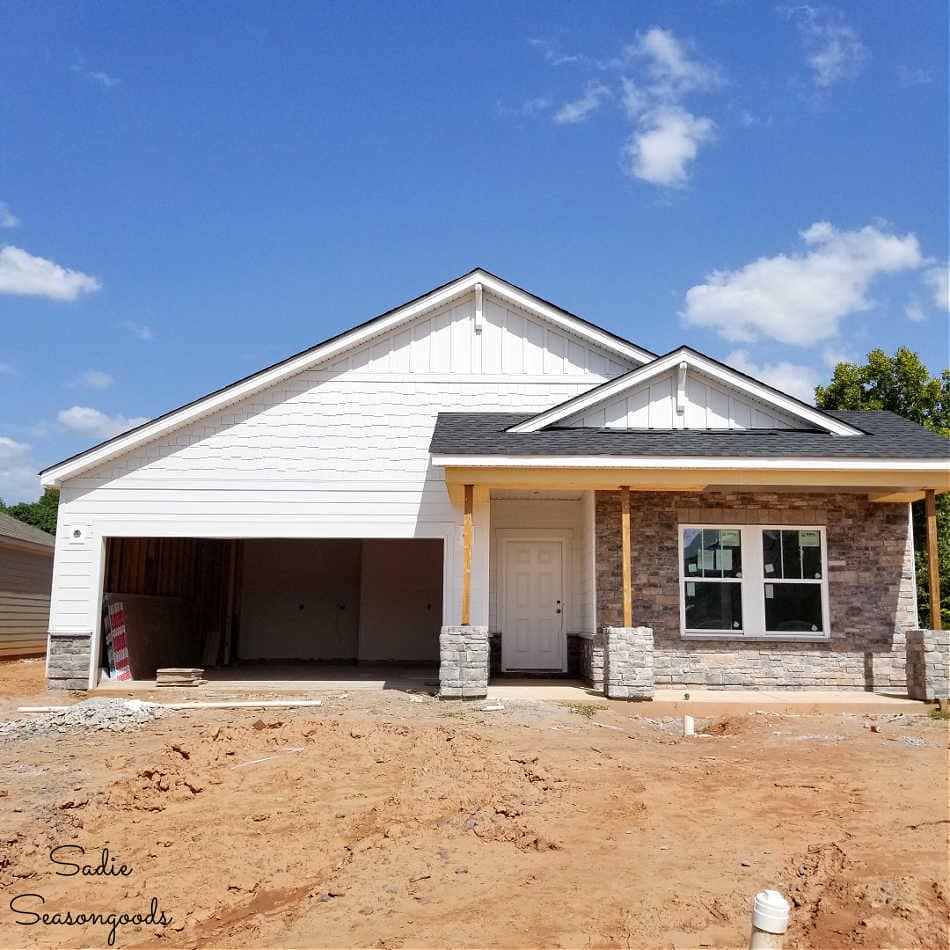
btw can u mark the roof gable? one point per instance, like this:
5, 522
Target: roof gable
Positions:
686, 390
615, 352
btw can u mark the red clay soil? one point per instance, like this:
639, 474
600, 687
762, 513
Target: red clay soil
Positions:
374, 821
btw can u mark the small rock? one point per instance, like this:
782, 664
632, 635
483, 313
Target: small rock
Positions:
336, 892
745, 864
391, 889
462, 869
366, 910
443, 854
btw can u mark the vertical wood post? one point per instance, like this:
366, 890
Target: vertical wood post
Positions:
625, 548
933, 560
467, 557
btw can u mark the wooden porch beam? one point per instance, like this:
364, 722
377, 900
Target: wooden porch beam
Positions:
467, 555
933, 560
625, 553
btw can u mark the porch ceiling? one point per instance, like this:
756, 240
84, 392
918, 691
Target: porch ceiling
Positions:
880, 485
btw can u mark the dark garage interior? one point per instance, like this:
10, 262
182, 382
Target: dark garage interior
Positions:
256, 605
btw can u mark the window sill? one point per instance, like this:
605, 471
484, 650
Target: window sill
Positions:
758, 637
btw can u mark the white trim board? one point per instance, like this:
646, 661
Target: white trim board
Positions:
69, 468
677, 358
690, 462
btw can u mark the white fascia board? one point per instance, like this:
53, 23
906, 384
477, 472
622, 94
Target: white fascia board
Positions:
689, 462
54, 476
723, 374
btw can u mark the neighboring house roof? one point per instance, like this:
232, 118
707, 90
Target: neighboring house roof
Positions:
332, 348
683, 358
18, 532
493, 435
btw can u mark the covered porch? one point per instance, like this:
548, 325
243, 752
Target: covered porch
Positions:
636, 632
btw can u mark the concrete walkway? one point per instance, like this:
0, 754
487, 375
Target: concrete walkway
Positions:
714, 702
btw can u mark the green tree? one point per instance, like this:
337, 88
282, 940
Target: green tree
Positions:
41, 514
902, 384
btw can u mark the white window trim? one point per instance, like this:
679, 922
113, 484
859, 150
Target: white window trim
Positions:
753, 596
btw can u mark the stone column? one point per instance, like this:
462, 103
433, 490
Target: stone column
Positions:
928, 664
67, 661
592, 660
628, 662
463, 662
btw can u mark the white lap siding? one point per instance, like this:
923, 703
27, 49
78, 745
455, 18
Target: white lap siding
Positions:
337, 452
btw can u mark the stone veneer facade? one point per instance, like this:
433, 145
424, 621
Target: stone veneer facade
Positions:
870, 584
67, 661
463, 662
928, 664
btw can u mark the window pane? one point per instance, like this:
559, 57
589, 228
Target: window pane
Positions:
810, 543
692, 543
709, 558
730, 552
712, 606
772, 553
793, 607
791, 555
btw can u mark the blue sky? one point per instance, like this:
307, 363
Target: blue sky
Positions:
191, 191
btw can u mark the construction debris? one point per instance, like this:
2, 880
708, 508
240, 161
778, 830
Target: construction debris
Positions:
111, 715
180, 676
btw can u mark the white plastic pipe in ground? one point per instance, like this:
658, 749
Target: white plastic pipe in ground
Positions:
689, 726
769, 921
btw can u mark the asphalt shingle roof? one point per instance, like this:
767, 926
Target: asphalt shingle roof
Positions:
887, 436
17, 530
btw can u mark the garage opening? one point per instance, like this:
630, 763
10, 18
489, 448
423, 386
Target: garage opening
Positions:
271, 609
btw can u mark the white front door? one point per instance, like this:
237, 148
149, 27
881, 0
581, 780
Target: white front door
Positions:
532, 636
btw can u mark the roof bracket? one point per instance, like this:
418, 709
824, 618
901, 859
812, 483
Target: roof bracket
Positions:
479, 318
681, 387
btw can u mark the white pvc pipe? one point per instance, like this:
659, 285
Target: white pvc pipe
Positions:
689, 726
770, 913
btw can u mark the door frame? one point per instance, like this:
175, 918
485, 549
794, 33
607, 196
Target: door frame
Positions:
563, 536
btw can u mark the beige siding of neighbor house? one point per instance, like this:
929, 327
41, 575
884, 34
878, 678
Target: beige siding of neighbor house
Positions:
25, 581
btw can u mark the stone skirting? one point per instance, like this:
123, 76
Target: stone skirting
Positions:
463, 662
928, 664
67, 660
628, 662
872, 596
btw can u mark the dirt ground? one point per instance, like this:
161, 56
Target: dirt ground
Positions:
379, 821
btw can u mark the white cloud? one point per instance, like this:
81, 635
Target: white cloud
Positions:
914, 312
671, 71
833, 49
801, 298
22, 273
96, 423
577, 110
6, 369
139, 330
792, 378
937, 278
664, 145
552, 53
7, 218
912, 76
95, 75
649, 80
94, 379
18, 478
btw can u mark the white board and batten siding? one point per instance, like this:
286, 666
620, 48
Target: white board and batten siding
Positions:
338, 450
707, 406
25, 581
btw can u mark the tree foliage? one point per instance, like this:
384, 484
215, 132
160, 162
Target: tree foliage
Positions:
902, 384
41, 514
